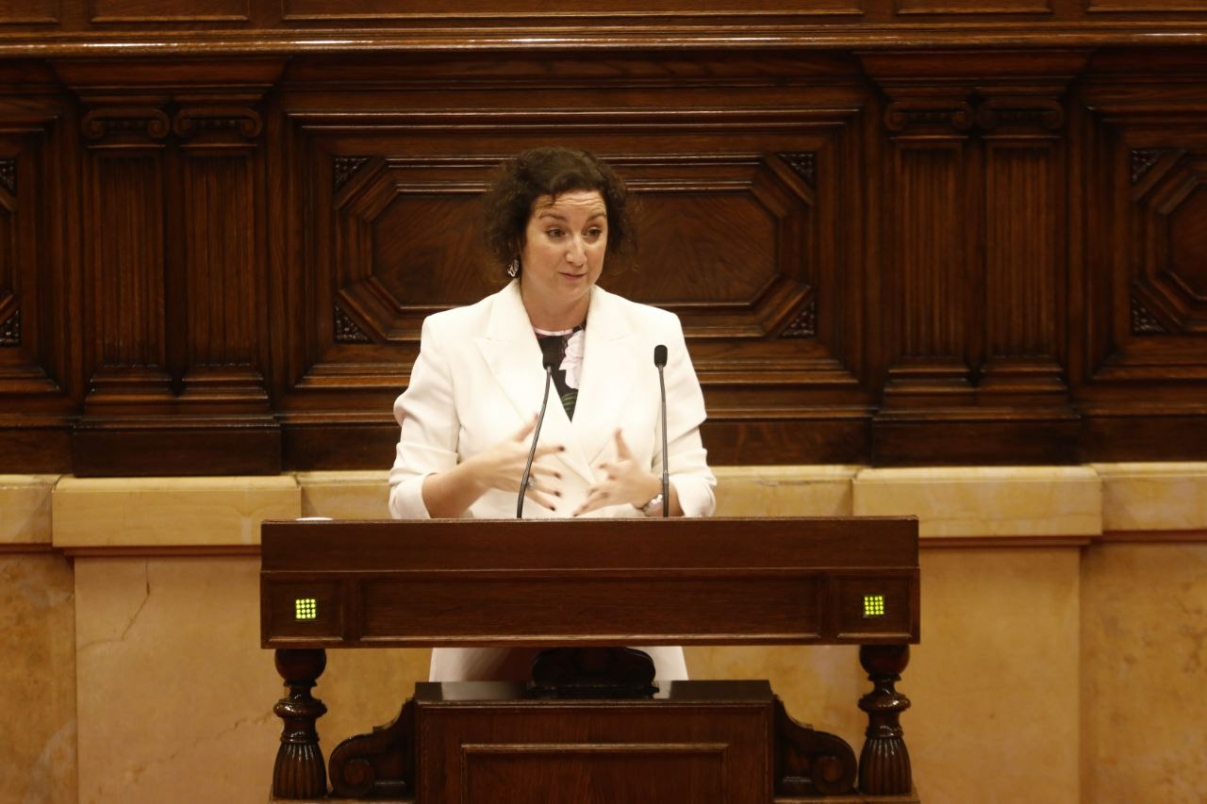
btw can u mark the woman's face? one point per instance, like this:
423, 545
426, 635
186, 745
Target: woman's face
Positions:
563, 253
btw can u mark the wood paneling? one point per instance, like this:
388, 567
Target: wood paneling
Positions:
28, 11
220, 263
348, 10
125, 11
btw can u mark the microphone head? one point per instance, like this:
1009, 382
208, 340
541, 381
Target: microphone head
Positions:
549, 361
660, 356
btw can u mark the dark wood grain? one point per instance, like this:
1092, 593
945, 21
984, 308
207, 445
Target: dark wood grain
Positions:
881, 254
749, 581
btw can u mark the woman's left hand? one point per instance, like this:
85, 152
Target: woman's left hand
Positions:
625, 481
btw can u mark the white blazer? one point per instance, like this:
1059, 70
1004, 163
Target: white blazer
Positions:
479, 377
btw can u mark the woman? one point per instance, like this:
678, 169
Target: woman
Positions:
468, 415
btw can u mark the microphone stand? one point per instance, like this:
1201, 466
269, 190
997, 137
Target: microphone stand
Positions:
660, 362
536, 434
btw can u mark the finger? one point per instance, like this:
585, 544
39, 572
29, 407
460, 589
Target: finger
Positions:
596, 498
525, 431
622, 449
546, 477
541, 498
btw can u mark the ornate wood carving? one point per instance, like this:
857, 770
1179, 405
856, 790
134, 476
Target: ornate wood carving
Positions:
1020, 112
346, 330
1144, 322
8, 175
380, 764
884, 767
1143, 159
805, 323
201, 120
10, 330
299, 772
808, 762
345, 167
922, 113
124, 123
805, 165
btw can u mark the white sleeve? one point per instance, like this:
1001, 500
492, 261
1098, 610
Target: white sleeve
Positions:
429, 429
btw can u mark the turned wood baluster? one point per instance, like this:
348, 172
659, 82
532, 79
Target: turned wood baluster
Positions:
884, 767
299, 772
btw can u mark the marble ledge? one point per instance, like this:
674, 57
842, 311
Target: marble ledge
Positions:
986, 502
956, 505
25, 517
193, 512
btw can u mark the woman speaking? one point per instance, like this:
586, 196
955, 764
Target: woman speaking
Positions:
468, 415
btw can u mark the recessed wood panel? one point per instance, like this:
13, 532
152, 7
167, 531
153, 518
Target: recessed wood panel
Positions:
111, 11
631, 772
127, 262
16, 12
391, 9
977, 7
1147, 6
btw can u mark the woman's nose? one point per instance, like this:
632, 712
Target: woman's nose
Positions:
576, 254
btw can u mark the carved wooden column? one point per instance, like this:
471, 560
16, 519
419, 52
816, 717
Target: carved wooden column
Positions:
175, 279
975, 212
299, 772
884, 767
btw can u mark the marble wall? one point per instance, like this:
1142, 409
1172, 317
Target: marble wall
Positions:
1061, 660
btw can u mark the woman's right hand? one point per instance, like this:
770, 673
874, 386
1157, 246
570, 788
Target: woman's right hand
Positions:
502, 467
449, 494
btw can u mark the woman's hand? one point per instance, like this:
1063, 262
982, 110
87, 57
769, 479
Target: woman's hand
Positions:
502, 467
448, 494
625, 481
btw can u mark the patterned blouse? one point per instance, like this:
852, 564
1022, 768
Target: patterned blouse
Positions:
564, 350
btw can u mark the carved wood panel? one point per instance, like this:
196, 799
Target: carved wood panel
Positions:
38, 333
174, 260
742, 215
1146, 339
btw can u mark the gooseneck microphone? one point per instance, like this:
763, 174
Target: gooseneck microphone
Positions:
660, 363
536, 434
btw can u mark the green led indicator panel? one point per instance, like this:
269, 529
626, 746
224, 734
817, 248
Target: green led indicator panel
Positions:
873, 605
306, 608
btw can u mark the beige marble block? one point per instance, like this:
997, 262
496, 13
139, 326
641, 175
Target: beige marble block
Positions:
37, 680
25, 509
345, 495
1144, 642
985, 501
784, 490
994, 681
170, 512
176, 694
1153, 496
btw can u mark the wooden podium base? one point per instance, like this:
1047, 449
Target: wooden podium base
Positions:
695, 742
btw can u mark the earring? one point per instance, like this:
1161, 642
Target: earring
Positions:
513, 268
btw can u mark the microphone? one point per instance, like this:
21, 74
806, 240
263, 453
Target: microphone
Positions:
660, 363
536, 434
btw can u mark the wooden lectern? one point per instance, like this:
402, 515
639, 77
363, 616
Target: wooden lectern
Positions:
592, 584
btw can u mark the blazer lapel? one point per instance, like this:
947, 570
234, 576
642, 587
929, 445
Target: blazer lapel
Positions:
607, 358
513, 356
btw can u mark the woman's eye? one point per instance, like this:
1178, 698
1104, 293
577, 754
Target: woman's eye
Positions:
554, 232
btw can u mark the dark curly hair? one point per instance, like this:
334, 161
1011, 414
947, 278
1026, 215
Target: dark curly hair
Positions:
552, 171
